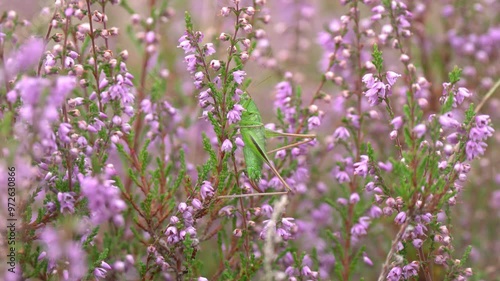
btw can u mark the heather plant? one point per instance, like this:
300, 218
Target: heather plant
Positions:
250, 140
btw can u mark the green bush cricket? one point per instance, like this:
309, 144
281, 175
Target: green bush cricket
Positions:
254, 136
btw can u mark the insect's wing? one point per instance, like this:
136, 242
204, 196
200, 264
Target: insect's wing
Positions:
253, 160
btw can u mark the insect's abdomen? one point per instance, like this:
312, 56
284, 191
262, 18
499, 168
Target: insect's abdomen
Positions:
253, 159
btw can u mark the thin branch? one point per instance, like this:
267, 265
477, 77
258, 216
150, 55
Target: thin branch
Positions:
487, 96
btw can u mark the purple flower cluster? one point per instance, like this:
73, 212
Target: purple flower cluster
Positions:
478, 134
377, 90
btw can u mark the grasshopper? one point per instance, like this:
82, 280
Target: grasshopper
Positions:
254, 136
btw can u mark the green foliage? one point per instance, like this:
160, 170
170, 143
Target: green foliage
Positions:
182, 172
86, 244
146, 204
207, 146
377, 59
141, 267
215, 124
188, 21
144, 157
102, 256
454, 75
470, 114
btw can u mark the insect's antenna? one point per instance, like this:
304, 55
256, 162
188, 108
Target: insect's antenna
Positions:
253, 194
289, 146
248, 94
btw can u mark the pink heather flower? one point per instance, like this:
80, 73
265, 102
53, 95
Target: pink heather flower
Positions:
313, 122
239, 76
306, 271
417, 243
495, 200
392, 77
376, 92
354, 198
206, 190
358, 230
461, 94
209, 49
174, 219
369, 80
342, 201
234, 116
196, 203
342, 176
103, 83
27, 56
100, 272
341, 133
400, 218
385, 166
453, 138
226, 146
103, 198
375, 212
474, 149
239, 142
238, 107
185, 44
66, 201
182, 207
191, 63
42, 255
420, 130
12, 96
410, 270
393, 135
361, 168
199, 76
397, 122
395, 274
420, 229
215, 65
482, 120
367, 260
64, 130
447, 121
283, 91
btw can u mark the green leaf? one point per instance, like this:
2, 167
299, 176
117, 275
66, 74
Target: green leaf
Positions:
454, 75
208, 148
183, 170
90, 238
470, 114
141, 267
144, 156
189, 23
448, 105
102, 256
377, 58
146, 204
215, 124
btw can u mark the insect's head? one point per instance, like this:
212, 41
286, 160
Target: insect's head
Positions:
245, 100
